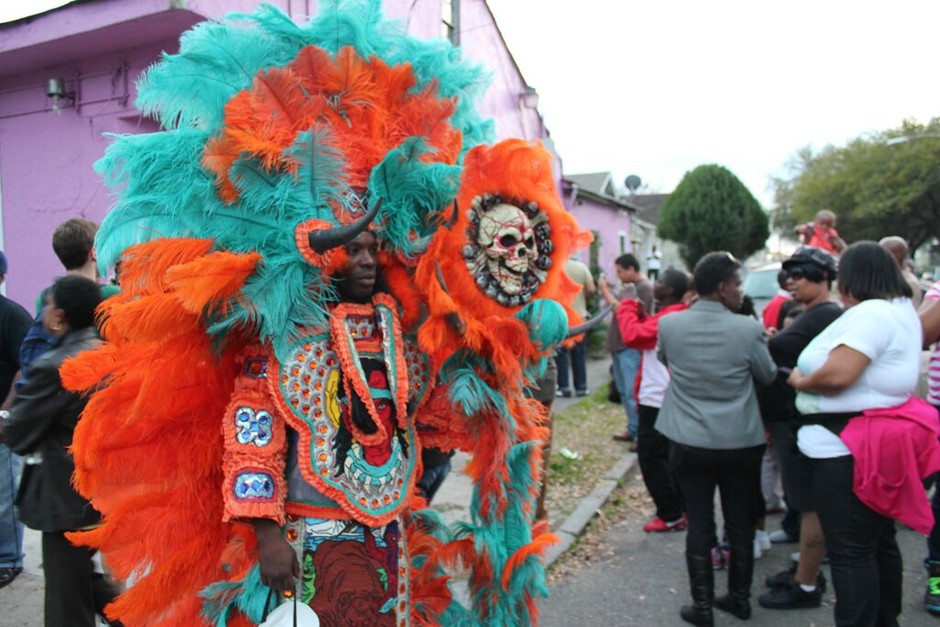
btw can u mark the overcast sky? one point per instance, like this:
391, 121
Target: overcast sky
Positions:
658, 88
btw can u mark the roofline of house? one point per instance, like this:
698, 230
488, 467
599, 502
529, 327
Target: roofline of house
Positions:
609, 201
505, 45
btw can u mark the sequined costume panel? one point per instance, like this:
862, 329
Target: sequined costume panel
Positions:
352, 574
255, 446
366, 469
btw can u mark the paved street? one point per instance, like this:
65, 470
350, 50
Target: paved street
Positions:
644, 582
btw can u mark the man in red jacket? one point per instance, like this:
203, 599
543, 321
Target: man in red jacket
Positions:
639, 330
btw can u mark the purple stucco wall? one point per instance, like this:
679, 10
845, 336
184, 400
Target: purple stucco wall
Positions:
100, 47
612, 229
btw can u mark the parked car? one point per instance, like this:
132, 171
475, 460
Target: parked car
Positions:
761, 285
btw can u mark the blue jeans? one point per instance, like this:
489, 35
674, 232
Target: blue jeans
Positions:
626, 366
11, 529
578, 354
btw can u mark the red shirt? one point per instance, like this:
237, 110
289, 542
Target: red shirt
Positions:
772, 311
822, 238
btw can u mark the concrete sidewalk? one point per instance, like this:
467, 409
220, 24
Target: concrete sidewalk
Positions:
22, 600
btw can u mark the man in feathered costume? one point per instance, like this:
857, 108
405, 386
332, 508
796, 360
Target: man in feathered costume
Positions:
323, 270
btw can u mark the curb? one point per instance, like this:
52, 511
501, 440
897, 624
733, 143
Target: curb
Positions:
584, 513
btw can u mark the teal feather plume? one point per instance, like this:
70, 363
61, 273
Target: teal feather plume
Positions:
465, 387
321, 171
356, 23
216, 60
547, 322
249, 596
277, 25
412, 192
162, 190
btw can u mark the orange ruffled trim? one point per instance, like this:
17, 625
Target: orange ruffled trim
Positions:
302, 241
327, 512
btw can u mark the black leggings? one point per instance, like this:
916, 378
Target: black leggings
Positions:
863, 552
736, 473
653, 455
74, 591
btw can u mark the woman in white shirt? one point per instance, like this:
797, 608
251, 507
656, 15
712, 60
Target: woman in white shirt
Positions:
869, 358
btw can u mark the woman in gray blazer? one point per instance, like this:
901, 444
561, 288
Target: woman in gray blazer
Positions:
711, 418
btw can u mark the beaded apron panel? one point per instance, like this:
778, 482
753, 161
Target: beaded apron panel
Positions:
309, 387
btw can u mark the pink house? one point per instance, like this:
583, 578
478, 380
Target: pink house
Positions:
68, 76
593, 200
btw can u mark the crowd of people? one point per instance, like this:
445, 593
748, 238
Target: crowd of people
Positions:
39, 418
822, 390
334, 280
817, 396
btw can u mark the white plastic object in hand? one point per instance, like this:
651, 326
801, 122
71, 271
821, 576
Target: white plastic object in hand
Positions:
283, 616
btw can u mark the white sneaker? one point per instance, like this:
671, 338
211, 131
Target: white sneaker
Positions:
758, 552
782, 537
763, 538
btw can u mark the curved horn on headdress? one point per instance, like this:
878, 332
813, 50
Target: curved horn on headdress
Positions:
327, 239
453, 318
421, 246
586, 326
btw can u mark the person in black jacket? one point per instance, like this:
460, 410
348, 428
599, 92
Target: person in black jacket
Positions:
811, 272
41, 424
14, 323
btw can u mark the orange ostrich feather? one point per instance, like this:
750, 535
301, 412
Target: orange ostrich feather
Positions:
148, 449
369, 107
519, 173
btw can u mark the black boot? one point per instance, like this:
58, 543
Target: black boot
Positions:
740, 573
702, 584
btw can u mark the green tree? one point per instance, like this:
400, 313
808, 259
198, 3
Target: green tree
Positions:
711, 209
885, 183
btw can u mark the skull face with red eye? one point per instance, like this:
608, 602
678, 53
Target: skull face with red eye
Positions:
508, 241
509, 248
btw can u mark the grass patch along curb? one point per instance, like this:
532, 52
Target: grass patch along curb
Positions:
579, 486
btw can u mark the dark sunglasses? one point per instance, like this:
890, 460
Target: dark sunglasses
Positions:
810, 273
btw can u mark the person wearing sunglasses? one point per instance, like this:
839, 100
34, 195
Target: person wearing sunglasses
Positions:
810, 274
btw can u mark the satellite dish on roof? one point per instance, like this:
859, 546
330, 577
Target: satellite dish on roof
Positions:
633, 182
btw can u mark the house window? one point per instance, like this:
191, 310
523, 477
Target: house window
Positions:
594, 253
622, 237
450, 20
